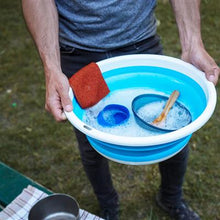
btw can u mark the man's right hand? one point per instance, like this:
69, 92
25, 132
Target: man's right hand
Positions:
42, 21
57, 95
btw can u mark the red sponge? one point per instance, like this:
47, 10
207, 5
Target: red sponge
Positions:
88, 85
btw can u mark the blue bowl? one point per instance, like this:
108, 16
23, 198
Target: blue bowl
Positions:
113, 115
142, 100
162, 75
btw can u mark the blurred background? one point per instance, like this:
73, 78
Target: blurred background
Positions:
46, 151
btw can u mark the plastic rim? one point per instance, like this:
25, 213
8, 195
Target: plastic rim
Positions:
160, 61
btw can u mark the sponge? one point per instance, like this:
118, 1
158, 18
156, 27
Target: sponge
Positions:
88, 85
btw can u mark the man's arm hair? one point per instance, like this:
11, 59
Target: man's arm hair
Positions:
42, 20
187, 14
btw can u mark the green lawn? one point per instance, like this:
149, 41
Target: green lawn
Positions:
34, 144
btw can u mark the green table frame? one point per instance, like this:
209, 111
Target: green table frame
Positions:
12, 183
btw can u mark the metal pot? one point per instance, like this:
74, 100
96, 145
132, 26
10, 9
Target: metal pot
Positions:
55, 207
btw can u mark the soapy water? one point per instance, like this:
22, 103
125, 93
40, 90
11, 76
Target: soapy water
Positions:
177, 117
130, 128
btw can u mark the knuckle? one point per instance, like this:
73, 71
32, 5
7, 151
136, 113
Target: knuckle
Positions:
60, 87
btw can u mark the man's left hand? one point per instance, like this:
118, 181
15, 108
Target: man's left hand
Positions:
200, 58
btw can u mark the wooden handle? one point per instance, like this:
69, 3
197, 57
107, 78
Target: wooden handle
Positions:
173, 97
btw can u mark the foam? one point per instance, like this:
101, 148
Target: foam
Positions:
121, 97
177, 117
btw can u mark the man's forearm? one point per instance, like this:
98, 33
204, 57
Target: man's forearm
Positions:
187, 13
42, 20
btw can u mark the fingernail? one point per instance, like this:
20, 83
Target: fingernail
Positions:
211, 78
68, 108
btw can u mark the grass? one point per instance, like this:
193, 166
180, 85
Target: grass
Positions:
37, 146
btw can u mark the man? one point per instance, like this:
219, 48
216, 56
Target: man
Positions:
70, 34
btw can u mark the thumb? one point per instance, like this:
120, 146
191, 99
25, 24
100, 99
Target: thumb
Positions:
208, 65
65, 99
211, 71
213, 74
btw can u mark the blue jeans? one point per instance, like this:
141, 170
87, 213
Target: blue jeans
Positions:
96, 166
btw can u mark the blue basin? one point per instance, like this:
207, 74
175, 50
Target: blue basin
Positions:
161, 74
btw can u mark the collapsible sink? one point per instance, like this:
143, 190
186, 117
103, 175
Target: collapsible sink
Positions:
161, 74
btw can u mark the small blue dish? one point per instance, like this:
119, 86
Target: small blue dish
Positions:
113, 115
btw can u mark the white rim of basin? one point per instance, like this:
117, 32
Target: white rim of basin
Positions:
158, 61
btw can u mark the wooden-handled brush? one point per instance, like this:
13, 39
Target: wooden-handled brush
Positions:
173, 97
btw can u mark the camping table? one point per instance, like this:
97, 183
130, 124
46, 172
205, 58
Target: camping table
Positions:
13, 183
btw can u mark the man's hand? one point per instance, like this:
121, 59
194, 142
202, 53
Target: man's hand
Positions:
57, 98
187, 13
199, 57
42, 21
